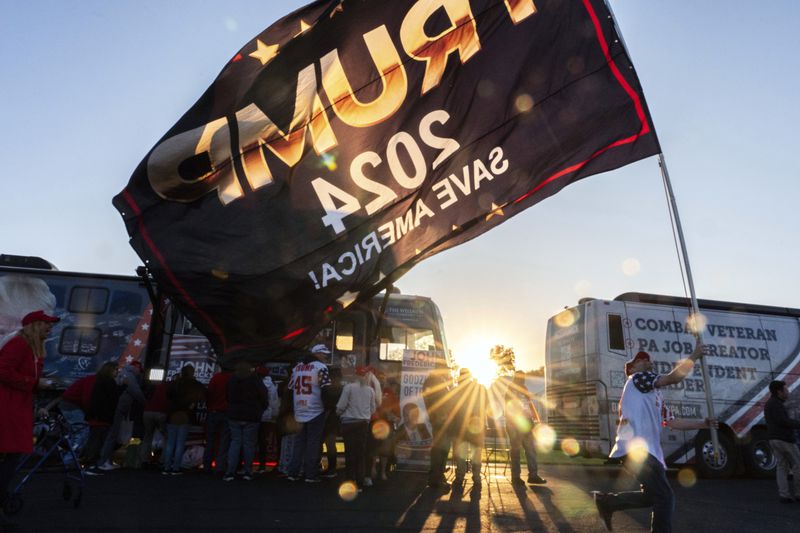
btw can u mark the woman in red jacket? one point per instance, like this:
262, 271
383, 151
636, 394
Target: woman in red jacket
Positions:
21, 362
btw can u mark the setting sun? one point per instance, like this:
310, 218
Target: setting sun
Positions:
475, 357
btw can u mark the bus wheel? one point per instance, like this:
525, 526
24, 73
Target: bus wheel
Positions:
758, 457
707, 466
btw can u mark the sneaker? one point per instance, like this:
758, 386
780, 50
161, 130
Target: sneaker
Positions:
107, 466
92, 471
165, 472
536, 480
312, 480
176, 473
328, 474
227, 478
247, 477
517, 481
367, 481
293, 478
602, 509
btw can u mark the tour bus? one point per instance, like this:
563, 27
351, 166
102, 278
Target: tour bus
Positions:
111, 318
377, 332
749, 346
104, 318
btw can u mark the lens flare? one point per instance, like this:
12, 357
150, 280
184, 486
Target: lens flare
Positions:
687, 478
583, 288
638, 450
329, 161
565, 318
486, 89
523, 103
545, 438
570, 447
380, 430
219, 273
348, 491
631, 266
475, 425
522, 423
696, 322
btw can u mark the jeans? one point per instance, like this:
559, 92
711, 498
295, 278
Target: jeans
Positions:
78, 429
110, 444
656, 493
516, 440
176, 442
218, 436
153, 421
306, 453
355, 449
243, 440
788, 456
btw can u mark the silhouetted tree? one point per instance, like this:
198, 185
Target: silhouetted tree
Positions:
504, 358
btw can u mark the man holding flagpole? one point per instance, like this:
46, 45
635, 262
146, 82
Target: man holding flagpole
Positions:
642, 412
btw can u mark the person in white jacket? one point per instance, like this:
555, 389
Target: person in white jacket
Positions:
355, 407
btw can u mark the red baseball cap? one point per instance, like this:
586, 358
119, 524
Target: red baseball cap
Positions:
362, 370
638, 357
38, 316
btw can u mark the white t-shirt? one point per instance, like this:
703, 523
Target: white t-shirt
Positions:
642, 412
307, 382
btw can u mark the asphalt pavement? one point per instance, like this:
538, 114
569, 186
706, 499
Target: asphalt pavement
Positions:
144, 500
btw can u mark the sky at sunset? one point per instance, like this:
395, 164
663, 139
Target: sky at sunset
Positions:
89, 87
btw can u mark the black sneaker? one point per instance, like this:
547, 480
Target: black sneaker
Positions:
517, 481
536, 480
602, 509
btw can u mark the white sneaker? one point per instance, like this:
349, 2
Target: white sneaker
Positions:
367, 481
108, 465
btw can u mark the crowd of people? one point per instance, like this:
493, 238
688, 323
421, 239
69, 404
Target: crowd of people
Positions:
248, 417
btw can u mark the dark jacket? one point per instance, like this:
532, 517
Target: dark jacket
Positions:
779, 425
437, 399
182, 395
247, 398
330, 397
103, 403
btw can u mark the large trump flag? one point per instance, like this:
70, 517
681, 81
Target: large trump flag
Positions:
352, 139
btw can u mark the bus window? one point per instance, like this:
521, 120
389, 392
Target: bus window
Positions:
126, 303
79, 341
396, 339
616, 339
344, 336
88, 300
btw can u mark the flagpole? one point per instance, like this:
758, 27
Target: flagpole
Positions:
662, 163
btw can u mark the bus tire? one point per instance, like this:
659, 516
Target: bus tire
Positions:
758, 458
704, 456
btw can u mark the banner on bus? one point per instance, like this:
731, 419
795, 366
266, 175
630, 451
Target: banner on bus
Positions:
351, 140
414, 437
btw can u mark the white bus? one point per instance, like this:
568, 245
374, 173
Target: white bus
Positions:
750, 345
